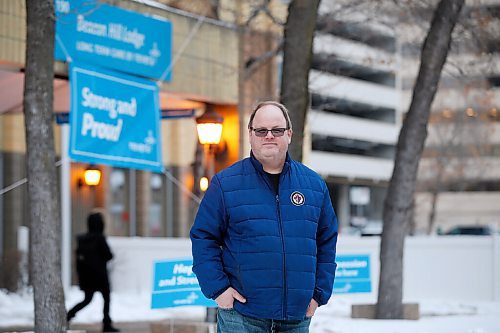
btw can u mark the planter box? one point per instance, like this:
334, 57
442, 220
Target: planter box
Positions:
411, 311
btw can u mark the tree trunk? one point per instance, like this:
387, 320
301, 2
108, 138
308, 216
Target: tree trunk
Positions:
432, 213
45, 255
436, 188
397, 205
297, 54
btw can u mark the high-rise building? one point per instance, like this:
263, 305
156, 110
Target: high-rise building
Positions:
365, 62
459, 175
355, 117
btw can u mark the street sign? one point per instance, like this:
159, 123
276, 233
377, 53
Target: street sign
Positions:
114, 119
353, 274
175, 284
93, 32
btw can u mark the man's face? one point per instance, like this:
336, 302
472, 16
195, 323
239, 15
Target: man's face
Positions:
269, 147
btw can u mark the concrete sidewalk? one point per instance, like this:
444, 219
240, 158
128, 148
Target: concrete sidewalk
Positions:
164, 326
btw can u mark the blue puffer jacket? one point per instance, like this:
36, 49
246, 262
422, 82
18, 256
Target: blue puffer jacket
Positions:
276, 253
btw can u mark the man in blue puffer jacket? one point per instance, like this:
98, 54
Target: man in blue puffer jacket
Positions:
264, 238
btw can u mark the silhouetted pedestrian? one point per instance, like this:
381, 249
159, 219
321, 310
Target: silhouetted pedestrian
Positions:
92, 255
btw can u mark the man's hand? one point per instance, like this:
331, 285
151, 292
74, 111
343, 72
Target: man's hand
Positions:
311, 309
226, 299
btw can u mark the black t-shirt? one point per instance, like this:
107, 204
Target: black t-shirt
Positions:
274, 178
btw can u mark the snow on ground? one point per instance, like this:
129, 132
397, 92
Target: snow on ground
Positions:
17, 309
437, 316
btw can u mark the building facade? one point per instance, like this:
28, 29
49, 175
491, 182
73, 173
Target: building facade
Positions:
365, 62
212, 49
355, 116
136, 202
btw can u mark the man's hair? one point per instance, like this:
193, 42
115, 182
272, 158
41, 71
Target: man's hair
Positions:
280, 106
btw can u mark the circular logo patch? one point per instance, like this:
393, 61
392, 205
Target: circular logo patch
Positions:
297, 198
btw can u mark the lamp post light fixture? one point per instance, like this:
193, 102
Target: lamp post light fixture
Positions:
209, 128
91, 177
203, 183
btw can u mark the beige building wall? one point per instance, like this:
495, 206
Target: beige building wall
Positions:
206, 69
179, 140
250, 13
206, 53
12, 138
12, 32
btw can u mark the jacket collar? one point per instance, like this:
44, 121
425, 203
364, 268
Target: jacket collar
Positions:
258, 166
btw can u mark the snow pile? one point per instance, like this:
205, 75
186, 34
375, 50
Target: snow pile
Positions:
16, 309
436, 316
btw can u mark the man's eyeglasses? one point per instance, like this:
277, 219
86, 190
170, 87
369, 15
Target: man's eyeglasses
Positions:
262, 132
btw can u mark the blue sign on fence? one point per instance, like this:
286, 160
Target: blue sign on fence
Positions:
93, 32
352, 275
114, 119
176, 285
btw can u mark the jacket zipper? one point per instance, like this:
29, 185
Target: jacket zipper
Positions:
282, 246
284, 256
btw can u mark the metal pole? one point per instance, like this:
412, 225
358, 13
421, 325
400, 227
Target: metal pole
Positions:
495, 265
211, 316
132, 202
210, 150
169, 207
1, 207
65, 209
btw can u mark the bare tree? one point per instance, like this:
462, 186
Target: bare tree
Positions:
457, 138
297, 54
45, 233
460, 138
399, 200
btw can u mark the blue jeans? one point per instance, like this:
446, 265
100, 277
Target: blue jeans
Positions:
230, 321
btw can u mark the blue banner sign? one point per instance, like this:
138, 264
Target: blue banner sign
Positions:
115, 119
175, 284
93, 32
352, 275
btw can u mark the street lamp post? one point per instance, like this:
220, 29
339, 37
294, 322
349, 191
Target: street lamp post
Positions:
209, 127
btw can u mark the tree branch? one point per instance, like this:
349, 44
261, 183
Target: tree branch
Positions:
254, 63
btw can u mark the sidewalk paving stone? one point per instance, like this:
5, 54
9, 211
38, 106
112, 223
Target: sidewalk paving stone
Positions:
164, 326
